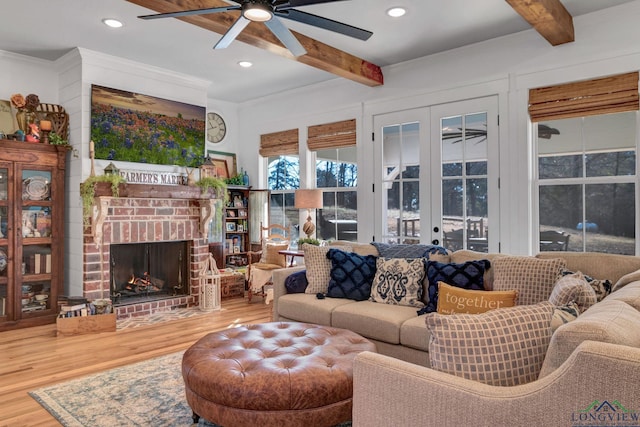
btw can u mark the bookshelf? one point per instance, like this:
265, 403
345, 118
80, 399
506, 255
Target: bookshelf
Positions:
236, 227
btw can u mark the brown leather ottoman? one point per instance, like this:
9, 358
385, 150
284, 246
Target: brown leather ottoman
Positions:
273, 374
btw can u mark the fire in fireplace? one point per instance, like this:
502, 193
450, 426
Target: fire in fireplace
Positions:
148, 271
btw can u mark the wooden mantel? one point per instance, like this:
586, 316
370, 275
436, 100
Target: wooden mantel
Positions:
153, 191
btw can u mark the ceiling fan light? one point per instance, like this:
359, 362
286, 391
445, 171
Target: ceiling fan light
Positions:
245, 64
111, 22
257, 12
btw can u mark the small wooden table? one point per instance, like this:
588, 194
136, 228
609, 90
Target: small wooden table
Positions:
293, 254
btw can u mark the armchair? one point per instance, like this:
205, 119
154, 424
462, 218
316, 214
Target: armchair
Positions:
273, 238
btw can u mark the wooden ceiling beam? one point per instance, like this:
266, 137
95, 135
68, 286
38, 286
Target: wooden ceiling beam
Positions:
319, 55
548, 17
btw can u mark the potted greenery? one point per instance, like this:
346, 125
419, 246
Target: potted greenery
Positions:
88, 189
55, 139
308, 240
218, 185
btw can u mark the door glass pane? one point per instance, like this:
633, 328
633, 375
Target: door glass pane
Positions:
464, 200
401, 157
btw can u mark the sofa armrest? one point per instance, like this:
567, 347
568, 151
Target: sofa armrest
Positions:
278, 278
389, 391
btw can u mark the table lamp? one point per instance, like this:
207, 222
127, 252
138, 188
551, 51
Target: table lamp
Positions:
308, 199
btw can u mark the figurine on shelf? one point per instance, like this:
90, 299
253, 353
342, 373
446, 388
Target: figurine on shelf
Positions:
34, 133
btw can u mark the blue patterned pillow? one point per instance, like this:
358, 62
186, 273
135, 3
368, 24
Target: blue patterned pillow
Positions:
388, 250
297, 282
351, 275
398, 281
468, 275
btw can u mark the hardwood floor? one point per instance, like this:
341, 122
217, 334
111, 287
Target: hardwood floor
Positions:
35, 357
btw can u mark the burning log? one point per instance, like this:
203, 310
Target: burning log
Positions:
144, 284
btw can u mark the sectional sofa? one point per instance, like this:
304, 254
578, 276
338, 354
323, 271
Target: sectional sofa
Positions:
591, 367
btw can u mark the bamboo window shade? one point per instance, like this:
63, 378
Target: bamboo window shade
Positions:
606, 95
332, 135
279, 143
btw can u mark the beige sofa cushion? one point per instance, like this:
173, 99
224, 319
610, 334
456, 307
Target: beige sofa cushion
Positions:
373, 320
597, 265
503, 347
533, 278
629, 294
307, 308
610, 321
414, 334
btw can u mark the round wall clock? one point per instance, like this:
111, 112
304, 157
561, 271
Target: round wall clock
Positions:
216, 128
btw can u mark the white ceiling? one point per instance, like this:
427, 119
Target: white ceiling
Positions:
48, 29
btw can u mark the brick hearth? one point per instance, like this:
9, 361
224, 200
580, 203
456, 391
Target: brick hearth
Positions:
168, 213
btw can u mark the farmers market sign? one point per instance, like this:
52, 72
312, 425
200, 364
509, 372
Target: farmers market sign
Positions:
151, 177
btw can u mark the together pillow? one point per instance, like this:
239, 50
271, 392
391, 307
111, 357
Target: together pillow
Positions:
318, 267
468, 275
503, 347
452, 299
398, 281
351, 275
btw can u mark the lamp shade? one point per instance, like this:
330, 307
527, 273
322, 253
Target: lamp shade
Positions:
308, 199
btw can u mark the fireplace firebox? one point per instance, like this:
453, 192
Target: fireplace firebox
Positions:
142, 272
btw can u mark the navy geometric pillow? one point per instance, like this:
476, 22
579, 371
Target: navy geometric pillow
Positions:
468, 275
351, 275
297, 282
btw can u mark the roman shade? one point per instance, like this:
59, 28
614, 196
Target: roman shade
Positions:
279, 143
332, 135
606, 95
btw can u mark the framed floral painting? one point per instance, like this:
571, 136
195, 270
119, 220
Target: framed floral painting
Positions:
139, 128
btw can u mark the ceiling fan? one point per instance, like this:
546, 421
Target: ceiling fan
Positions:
269, 12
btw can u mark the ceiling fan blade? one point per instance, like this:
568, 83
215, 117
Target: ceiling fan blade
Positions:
232, 33
326, 23
298, 3
190, 12
285, 36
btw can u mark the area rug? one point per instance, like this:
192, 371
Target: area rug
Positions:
149, 393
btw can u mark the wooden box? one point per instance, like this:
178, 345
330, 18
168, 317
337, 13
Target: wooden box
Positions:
86, 324
232, 285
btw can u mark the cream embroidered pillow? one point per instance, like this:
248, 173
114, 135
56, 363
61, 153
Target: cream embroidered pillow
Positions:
398, 281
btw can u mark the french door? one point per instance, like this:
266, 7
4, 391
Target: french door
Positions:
444, 159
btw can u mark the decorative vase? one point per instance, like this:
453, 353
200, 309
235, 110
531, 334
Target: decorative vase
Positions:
21, 118
24, 119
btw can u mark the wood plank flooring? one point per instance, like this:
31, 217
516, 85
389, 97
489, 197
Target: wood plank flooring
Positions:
35, 357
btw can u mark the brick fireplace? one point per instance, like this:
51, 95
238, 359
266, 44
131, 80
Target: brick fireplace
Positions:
145, 214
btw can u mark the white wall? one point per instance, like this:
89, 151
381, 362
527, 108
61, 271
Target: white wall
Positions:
606, 43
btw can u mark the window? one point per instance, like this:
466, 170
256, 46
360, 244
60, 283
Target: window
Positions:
337, 176
586, 183
283, 179
586, 146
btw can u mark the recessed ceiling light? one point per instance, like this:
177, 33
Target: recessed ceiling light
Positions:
396, 12
113, 23
245, 64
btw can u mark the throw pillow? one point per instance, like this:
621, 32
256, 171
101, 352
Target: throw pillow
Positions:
398, 281
351, 275
433, 252
532, 277
503, 347
564, 314
296, 283
318, 267
602, 288
468, 275
273, 257
452, 299
573, 288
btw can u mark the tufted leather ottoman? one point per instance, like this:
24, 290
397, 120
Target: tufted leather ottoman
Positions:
273, 374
